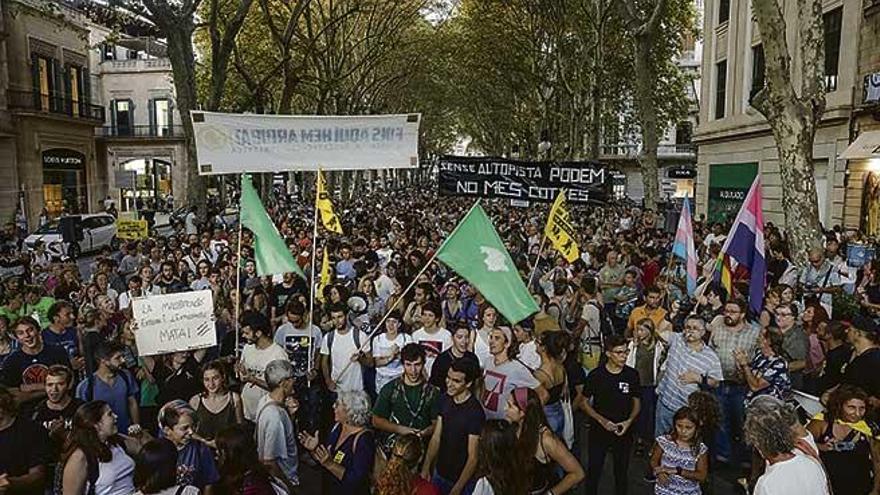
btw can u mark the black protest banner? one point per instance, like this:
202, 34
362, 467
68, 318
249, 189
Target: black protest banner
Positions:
490, 177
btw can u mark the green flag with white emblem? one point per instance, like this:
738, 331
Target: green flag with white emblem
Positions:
270, 252
475, 252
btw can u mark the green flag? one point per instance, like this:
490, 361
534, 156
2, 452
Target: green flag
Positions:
475, 252
270, 251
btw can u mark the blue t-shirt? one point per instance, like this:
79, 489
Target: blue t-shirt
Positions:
195, 465
116, 395
68, 339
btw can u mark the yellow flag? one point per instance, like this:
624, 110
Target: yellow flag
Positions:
323, 204
325, 276
560, 231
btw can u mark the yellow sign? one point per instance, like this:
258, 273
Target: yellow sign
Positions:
325, 206
560, 231
131, 229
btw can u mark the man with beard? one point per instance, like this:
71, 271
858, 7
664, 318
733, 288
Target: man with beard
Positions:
258, 352
113, 385
731, 332
300, 340
456, 431
690, 366
342, 359
407, 404
651, 309
24, 371
285, 292
795, 343
24, 451
168, 282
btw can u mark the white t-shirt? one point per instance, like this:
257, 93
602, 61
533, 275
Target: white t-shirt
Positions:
528, 354
343, 347
433, 343
255, 361
801, 475
382, 348
481, 348
500, 381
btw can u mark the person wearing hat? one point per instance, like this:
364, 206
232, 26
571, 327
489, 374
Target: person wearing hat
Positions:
864, 369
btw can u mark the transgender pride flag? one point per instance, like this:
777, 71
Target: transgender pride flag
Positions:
684, 246
744, 249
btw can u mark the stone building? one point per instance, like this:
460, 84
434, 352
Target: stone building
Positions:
47, 116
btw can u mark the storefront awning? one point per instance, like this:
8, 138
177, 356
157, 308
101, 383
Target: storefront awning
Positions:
867, 145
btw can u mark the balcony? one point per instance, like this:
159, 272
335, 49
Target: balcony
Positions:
135, 65
631, 151
62, 106
140, 132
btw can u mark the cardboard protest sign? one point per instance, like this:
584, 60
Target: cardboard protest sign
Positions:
174, 322
131, 229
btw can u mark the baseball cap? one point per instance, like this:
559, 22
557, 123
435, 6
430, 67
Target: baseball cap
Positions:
865, 324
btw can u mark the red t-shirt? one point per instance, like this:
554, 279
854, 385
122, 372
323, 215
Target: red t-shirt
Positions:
422, 487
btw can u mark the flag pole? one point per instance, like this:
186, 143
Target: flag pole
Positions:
537, 260
408, 288
312, 283
238, 270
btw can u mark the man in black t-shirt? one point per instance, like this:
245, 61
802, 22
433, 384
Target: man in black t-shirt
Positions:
24, 371
864, 369
24, 451
614, 388
55, 414
456, 432
459, 350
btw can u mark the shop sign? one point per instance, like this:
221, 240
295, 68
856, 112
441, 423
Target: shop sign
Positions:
681, 173
63, 158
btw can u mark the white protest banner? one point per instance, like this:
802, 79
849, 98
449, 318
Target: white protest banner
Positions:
174, 322
229, 143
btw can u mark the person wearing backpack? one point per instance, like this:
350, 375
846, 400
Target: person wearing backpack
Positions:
113, 385
342, 359
595, 325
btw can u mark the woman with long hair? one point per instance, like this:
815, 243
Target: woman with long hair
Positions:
846, 443
400, 474
96, 457
216, 407
814, 318
155, 471
553, 347
452, 306
241, 472
480, 340
767, 371
679, 458
500, 471
646, 354
375, 306
539, 450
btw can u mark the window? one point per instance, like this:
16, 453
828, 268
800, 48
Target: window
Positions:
75, 89
131, 54
832, 21
108, 52
44, 83
723, 11
122, 117
720, 88
757, 70
161, 115
684, 132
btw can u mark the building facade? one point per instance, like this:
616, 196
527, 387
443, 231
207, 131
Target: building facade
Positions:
734, 141
47, 118
862, 192
141, 146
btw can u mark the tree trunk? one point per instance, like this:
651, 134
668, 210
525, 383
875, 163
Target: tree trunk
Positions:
181, 54
794, 115
644, 82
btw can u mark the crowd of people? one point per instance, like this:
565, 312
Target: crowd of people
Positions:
444, 396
